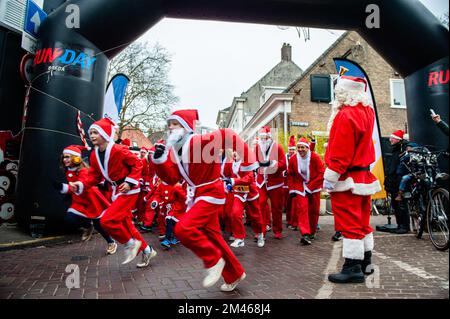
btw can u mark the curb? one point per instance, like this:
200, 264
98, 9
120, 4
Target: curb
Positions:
37, 242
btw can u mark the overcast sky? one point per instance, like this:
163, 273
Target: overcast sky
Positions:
212, 62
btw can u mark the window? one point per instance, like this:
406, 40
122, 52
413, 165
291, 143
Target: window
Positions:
135, 144
398, 97
320, 88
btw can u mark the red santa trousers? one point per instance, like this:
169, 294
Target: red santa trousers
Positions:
226, 211
237, 218
305, 213
288, 206
276, 207
199, 230
149, 216
117, 220
141, 207
351, 214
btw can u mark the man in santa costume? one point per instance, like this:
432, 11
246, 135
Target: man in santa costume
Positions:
196, 159
122, 170
348, 157
270, 180
245, 195
305, 181
287, 197
225, 212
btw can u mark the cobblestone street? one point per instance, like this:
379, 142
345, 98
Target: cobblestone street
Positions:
405, 268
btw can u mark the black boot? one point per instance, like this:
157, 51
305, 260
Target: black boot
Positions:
350, 273
366, 263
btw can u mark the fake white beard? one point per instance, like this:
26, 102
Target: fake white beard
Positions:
264, 145
175, 136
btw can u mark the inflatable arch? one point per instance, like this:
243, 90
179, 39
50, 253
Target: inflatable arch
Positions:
410, 38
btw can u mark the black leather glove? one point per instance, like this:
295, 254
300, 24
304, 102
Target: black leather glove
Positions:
57, 185
293, 195
103, 186
159, 151
264, 164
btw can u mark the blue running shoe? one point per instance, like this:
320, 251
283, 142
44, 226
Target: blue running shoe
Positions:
318, 227
165, 244
174, 241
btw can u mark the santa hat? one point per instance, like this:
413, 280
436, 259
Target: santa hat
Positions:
264, 131
303, 141
126, 142
105, 127
74, 150
160, 142
186, 118
398, 135
152, 150
144, 149
291, 143
352, 83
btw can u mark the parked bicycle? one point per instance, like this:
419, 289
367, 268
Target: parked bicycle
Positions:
428, 202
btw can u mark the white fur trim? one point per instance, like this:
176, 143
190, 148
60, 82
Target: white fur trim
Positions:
249, 168
160, 160
296, 192
310, 191
72, 153
240, 197
210, 199
181, 121
331, 175
74, 211
396, 137
80, 187
368, 242
353, 248
274, 186
253, 198
65, 189
130, 192
132, 181
303, 143
273, 163
357, 188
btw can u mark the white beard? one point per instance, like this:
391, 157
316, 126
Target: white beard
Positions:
175, 136
264, 145
335, 108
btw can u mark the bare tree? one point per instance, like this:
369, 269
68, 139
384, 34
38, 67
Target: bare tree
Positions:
149, 97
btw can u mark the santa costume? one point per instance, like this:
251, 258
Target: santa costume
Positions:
196, 159
348, 157
305, 181
118, 165
292, 148
225, 212
245, 196
270, 180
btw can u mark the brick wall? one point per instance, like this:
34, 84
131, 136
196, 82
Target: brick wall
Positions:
138, 137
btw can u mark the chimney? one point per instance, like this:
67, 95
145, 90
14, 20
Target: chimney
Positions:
286, 52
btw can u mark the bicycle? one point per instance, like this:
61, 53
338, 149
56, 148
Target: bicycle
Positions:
428, 202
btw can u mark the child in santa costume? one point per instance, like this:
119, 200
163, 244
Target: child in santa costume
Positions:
122, 170
171, 200
196, 159
245, 195
305, 183
88, 208
349, 154
225, 213
144, 183
270, 180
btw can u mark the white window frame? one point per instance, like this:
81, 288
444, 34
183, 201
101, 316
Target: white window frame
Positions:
332, 78
391, 86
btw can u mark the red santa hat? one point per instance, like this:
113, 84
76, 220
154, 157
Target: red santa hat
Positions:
264, 131
398, 135
144, 149
74, 150
152, 150
126, 142
186, 118
303, 141
291, 143
105, 127
352, 83
160, 142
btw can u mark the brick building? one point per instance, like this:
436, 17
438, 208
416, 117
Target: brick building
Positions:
304, 107
137, 138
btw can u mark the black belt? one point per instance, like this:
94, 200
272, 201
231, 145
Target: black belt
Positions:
358, 169
118, 182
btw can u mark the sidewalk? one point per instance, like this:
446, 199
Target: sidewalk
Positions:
13, 237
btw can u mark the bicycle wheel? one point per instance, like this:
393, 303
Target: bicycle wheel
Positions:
437, 219
413, 209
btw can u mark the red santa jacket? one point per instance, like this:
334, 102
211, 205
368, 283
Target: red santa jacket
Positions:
241, 178
271, 176
310, 182
199, 164
350, 151
120, 165
91, 204
171, 199
145, 174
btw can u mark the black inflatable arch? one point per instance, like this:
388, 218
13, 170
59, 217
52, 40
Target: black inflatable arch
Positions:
410, 38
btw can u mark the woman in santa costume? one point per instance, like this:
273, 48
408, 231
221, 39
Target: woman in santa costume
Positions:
305, 183
349, 154
270, 180
122, 170
196, 159
88, 208
245, 195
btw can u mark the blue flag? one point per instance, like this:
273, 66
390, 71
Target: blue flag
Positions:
114, 96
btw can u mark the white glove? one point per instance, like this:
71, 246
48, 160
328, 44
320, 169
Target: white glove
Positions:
328, 185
